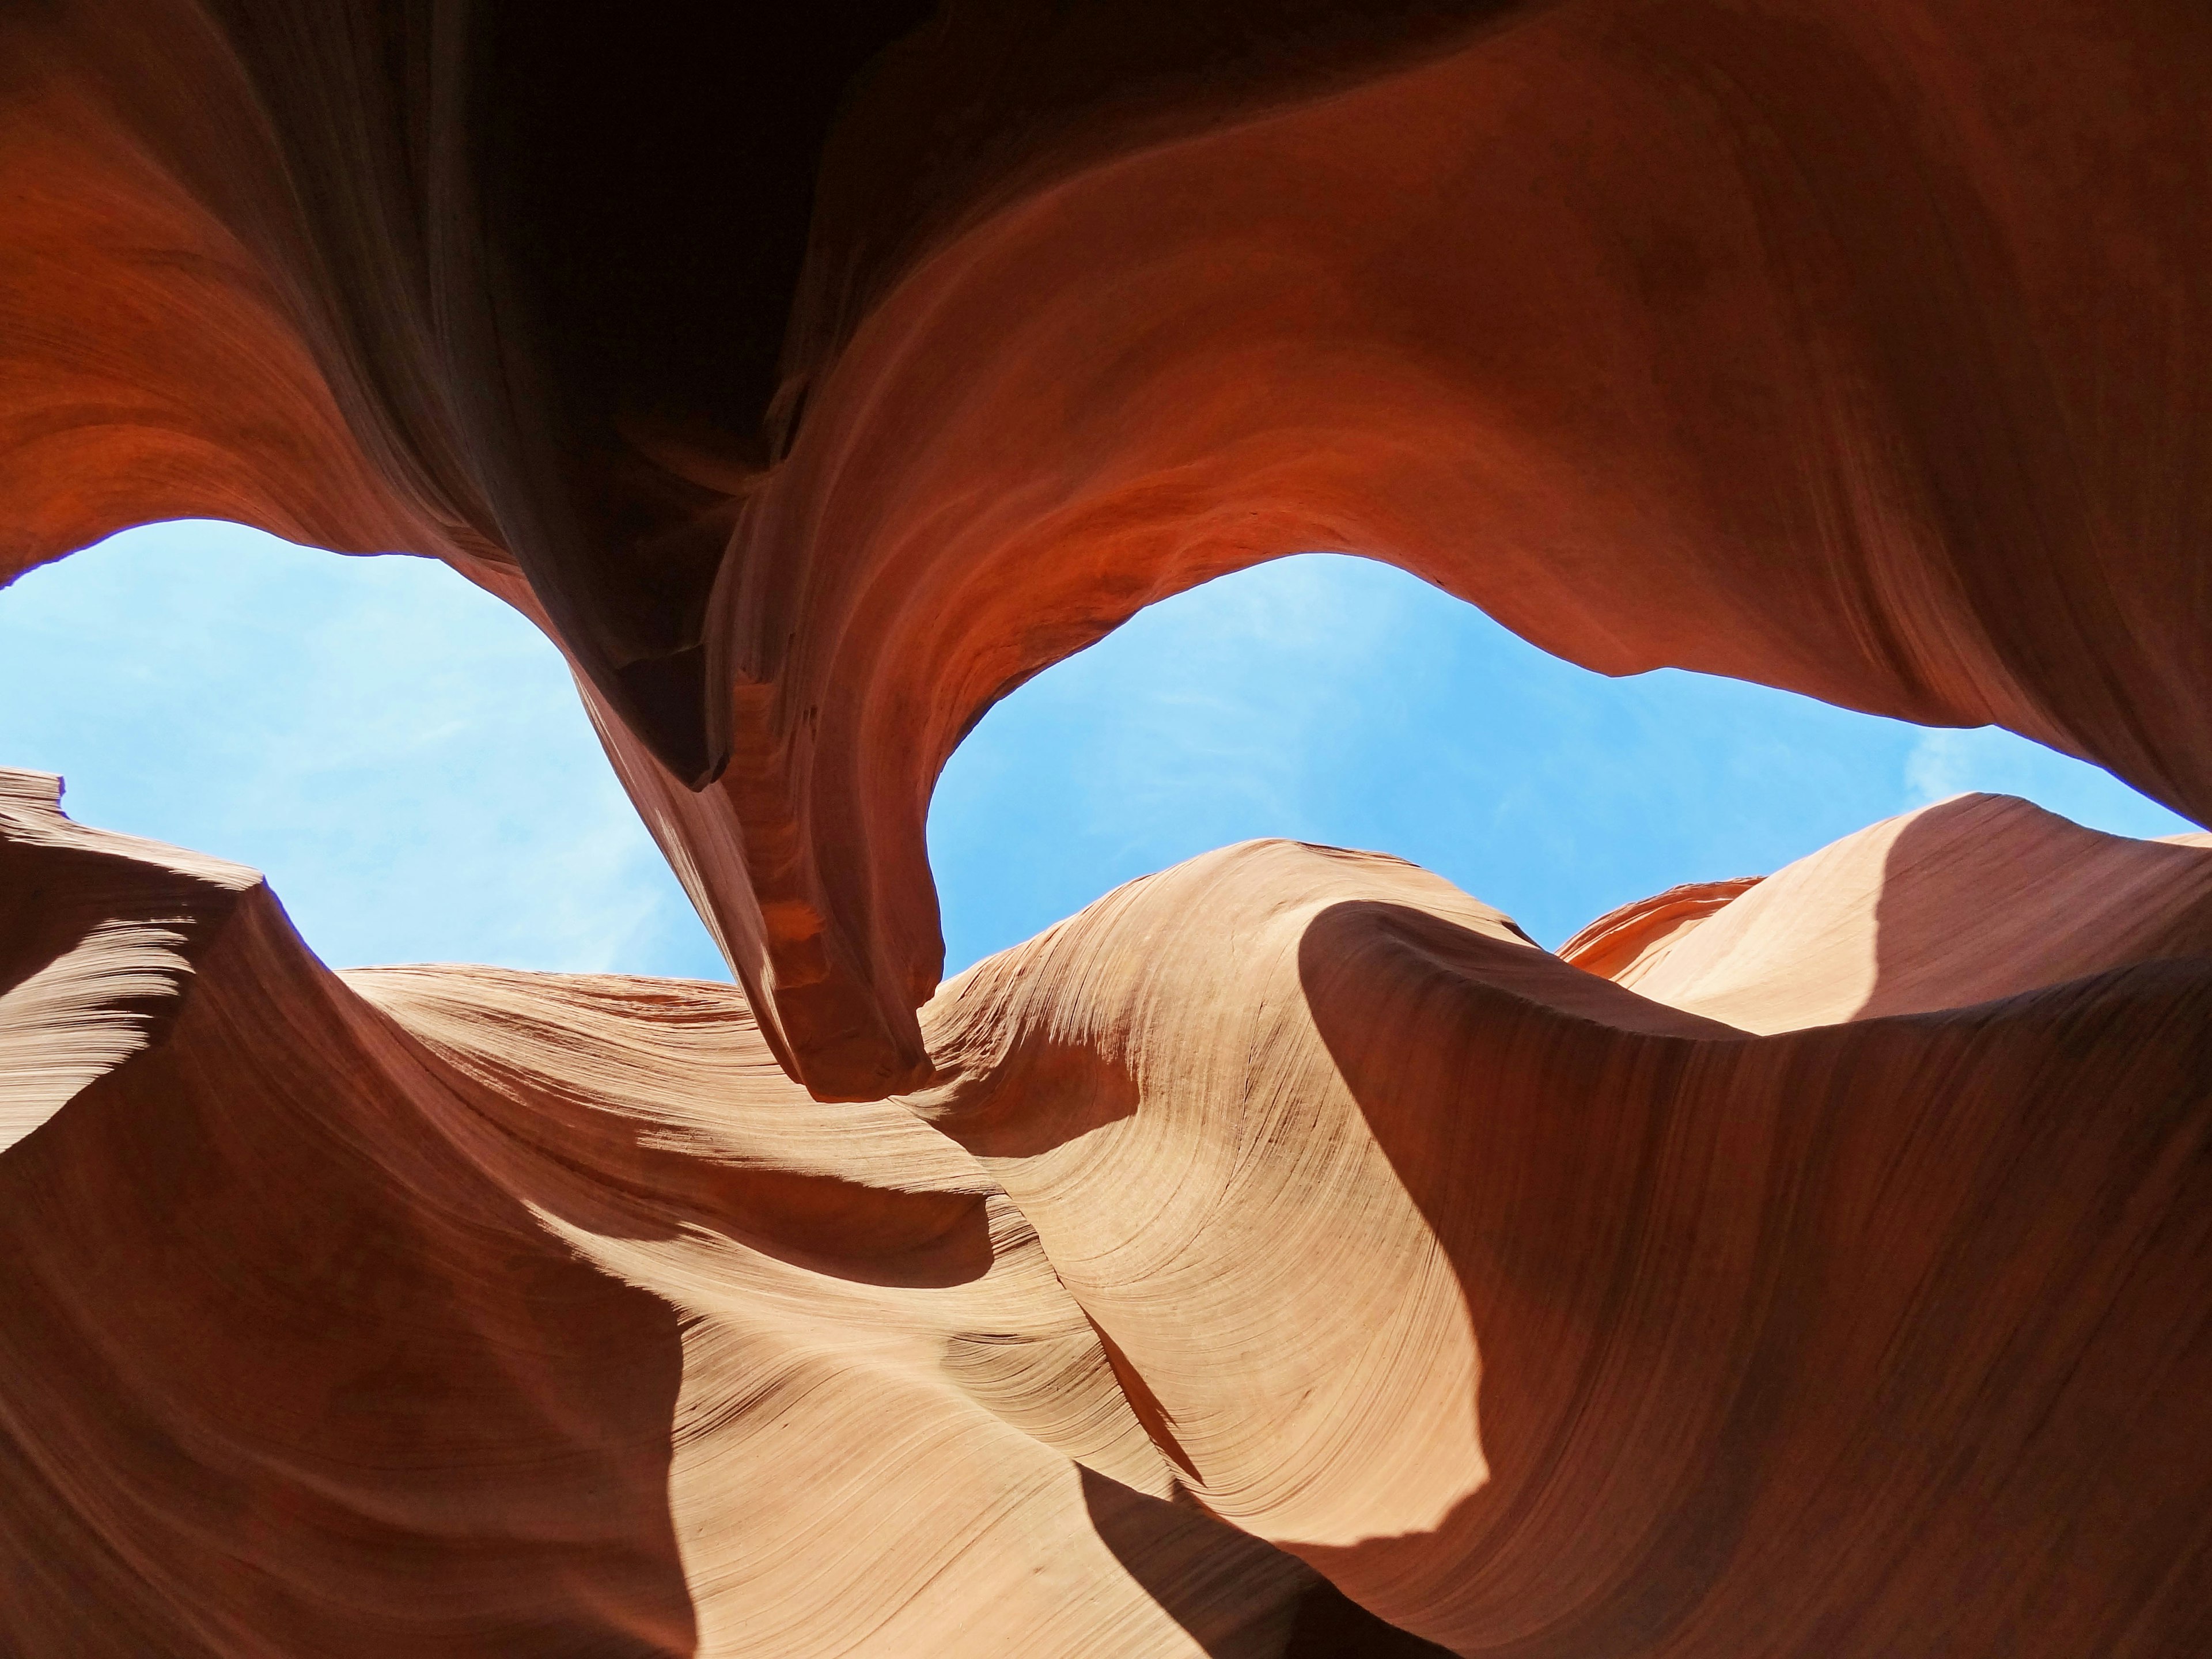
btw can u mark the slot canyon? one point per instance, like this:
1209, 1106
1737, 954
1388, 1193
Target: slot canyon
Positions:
1284, 1257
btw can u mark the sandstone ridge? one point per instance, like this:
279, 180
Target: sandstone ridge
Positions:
1282, 1257
1850, 348
1286, 1257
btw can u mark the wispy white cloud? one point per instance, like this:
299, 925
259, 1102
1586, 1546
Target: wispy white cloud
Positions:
1937, 767
404, 755
1338, 701
407, 759
1944, 762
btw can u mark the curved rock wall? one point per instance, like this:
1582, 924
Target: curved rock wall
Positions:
1284, 1257
1849, 349
1287, 1258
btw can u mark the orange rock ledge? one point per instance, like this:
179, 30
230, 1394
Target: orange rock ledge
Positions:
1284, 1257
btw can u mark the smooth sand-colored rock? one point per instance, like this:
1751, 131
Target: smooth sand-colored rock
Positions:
1976, 897
1847, 347
96, 933
437, 1310
1622, 944
1282, 1257
1710, 1344
1283, 1214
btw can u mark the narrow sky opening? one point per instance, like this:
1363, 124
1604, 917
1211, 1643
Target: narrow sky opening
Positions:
403, 756
1336, 700
408, 762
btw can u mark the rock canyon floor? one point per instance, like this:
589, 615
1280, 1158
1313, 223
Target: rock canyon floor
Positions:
1283, 1228
1283, 1256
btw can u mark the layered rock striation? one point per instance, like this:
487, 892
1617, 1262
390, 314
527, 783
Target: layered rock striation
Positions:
1284, 1257
817, 378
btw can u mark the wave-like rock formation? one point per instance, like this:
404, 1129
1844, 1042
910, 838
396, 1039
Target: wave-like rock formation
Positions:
817, 376
461, 1311
1981, 897
1284, 1257
1287, 1257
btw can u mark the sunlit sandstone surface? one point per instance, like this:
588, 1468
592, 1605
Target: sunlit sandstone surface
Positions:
1282, 1256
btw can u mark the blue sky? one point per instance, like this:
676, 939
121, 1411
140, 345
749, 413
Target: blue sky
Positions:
403, 756
408, 762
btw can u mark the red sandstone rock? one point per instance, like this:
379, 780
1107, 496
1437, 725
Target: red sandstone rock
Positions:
462, 1311
1297, 1201
1622, 944
1544, 1318
1847, 347
1282, 1256
1975, 898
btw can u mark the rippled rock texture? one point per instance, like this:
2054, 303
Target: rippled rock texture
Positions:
1282, 1256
